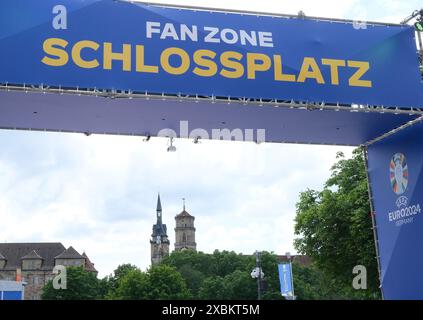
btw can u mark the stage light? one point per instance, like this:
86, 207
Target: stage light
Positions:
171, 148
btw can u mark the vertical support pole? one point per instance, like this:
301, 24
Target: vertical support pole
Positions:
419, 38
258, 265
292, 280
366, 161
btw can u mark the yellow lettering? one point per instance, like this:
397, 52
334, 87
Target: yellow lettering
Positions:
310, 70
334, 69
253, 66
279, 75
355, 80
201, 61
185, 61
50, 48
140, 63
237, 67
110, 56
76, 54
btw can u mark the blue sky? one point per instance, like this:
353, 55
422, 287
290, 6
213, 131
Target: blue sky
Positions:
99, 193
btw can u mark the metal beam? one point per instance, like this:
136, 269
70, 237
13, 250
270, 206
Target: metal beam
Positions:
392, 132
258, 13
302, 105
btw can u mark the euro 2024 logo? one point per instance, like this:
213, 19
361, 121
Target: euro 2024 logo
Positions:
399, 176
398, 172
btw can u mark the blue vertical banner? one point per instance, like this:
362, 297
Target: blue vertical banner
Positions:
285, 277
396, 179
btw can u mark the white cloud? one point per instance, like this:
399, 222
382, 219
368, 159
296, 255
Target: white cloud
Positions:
102, 198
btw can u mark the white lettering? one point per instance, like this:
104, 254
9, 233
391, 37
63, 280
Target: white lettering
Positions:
210, 37
266, 39
250, 38
191, 33
232, 39
152, 27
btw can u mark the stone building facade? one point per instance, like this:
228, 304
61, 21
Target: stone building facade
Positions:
184, 234
185, 231
33, 263
159, 241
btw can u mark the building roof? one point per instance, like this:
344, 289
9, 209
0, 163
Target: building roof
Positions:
14, 252
184, 214
89, 266
159, 230
33, 255
300, 259
69, 253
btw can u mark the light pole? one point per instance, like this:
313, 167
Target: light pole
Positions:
288, 256
258, 265
258, 273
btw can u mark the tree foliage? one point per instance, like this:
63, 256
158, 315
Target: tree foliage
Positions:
81, 285
334, 227
159, 282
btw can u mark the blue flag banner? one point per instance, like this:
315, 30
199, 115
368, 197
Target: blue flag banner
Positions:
285, 277
119, 45
396, 177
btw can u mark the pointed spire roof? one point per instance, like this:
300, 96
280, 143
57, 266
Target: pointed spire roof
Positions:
69, 253
159, 204
184, 213
32, 255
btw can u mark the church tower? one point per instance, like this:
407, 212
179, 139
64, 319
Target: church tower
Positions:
159, 240
185, 231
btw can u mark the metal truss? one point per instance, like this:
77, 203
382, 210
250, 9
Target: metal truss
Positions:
392, 132
259, 13
292, 104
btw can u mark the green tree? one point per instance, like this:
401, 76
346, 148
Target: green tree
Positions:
213, 288
193, 278
81, 285
167, 283
133, 285
225, 274
240, 286
159, 282
334, 227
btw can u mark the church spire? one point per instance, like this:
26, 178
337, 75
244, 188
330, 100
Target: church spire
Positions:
159, 204
183, 199
159, 240
159, 210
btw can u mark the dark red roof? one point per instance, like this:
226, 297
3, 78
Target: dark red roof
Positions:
184, 214
300, 259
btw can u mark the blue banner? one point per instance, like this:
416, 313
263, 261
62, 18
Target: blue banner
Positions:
396, 176
107, 44
285, 277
